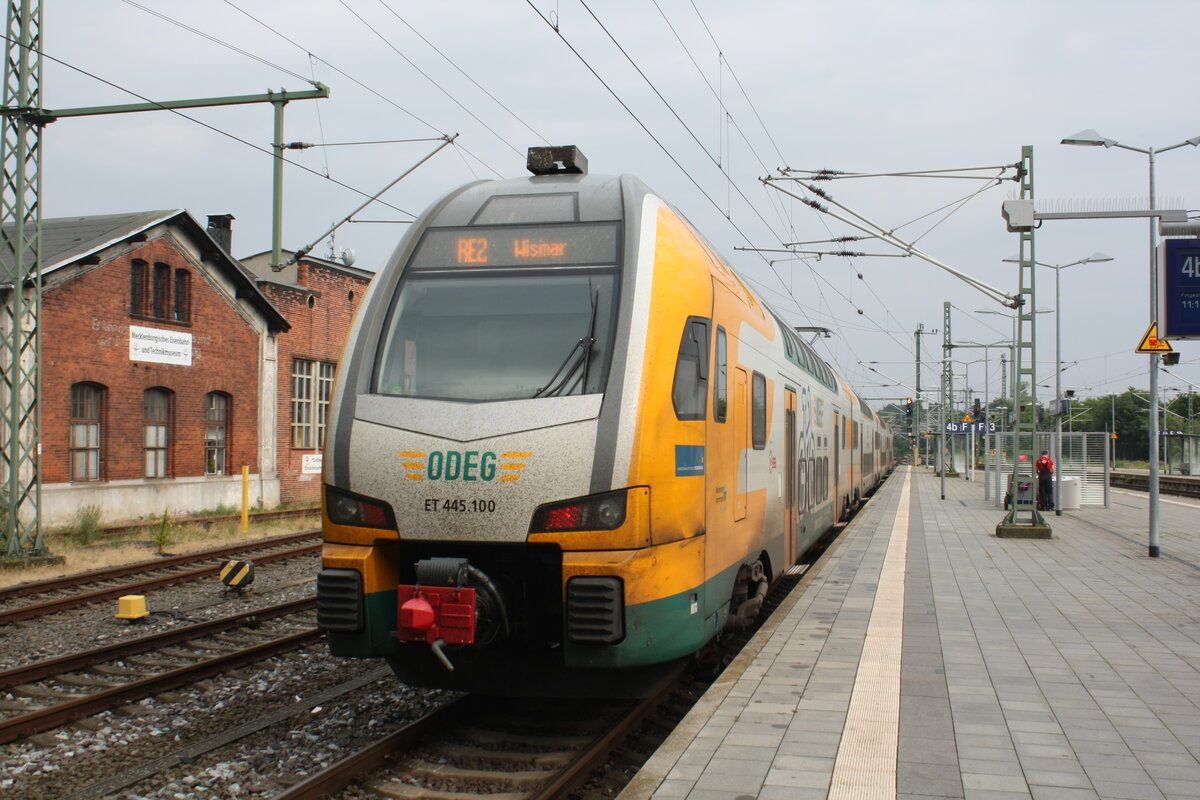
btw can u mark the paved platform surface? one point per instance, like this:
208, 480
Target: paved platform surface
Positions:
925, 658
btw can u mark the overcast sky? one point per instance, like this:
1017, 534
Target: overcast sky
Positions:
700, 99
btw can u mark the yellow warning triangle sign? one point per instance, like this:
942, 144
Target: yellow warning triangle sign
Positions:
1152, 344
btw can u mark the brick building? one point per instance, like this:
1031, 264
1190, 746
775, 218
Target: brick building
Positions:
168, 365
158, 369
319, 298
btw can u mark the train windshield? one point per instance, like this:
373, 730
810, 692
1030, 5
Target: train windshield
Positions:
506, 331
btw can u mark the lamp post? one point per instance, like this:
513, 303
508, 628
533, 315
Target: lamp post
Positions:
1089, 138
1094, 258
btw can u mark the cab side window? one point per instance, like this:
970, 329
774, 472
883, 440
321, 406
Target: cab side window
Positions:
689, 393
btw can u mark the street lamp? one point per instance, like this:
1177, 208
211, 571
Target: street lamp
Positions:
1094, 258
1089, 138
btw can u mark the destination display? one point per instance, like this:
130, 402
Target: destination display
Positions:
518, 246
1181, 289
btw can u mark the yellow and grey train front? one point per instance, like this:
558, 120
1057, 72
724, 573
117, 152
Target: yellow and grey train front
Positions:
480, 530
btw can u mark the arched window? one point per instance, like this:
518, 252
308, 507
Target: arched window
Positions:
216, 433
157, 421
87, 402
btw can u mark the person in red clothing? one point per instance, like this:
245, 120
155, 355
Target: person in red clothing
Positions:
1045, 472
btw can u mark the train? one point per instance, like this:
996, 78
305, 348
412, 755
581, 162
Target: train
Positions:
568, 447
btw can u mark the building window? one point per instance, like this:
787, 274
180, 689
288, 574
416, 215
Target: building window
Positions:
183, 295
312, 386
86, 402
161, 293
156, 415
139, 288
216, 433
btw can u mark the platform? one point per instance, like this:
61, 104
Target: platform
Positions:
923, 657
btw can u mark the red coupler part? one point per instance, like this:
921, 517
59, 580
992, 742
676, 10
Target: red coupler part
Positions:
429, 613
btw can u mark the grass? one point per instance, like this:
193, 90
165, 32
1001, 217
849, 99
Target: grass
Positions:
139, 545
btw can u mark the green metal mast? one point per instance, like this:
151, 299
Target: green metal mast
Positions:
20, 261
21, 282
1023, 519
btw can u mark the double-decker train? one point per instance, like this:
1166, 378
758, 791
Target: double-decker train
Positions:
569, 445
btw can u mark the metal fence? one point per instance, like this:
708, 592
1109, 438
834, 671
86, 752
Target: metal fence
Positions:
1085, 456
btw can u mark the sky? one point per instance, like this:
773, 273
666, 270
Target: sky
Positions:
702, 100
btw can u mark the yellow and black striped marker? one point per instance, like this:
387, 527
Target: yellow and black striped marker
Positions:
236, 574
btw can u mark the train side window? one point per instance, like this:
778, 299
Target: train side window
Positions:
721, 382
758, 411
689, 393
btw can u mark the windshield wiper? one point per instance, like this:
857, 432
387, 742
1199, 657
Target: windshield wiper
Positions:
573, 361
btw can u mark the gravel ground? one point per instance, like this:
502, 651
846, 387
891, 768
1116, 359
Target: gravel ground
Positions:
66, 761
173, 606
59, 763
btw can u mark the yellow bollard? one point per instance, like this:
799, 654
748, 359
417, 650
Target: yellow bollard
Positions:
132, 607
245, 498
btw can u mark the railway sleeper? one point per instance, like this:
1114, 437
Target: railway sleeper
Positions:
520, 779
86, 680
536, 758
406, 791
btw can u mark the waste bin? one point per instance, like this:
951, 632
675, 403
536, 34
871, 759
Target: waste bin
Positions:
1072, 492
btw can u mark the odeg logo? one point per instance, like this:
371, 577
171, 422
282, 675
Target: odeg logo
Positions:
464, 465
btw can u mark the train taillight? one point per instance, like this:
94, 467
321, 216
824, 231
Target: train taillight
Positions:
600, 512
345, 508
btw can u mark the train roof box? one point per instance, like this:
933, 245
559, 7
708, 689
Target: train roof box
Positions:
560, 160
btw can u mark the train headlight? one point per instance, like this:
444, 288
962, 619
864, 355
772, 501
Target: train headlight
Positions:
599, 512
345, 508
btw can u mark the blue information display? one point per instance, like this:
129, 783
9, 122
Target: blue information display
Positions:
1180, 312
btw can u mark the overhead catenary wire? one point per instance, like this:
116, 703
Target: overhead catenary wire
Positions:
212, 128
336, 69
860, 222
655, 139
429, 78
540, 137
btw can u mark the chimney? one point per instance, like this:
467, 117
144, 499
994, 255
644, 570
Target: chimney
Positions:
220, 228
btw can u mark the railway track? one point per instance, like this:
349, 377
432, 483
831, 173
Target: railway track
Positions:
53, 692
480, 746
1179, 485
520, 750
73, 591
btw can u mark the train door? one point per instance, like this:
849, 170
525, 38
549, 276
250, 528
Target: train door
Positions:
789, 476
741, 426
837, 463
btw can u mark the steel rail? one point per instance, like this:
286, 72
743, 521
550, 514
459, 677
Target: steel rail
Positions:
77, 661
342, 773
109, 573
62, 713
84, 598
591, 757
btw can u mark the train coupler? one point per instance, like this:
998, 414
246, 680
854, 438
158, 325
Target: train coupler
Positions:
443, 609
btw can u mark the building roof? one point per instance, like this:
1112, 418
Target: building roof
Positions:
259, 265
67, 240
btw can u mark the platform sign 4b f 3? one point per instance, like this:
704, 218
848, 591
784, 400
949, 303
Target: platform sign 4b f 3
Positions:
970, 427
1180, 301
